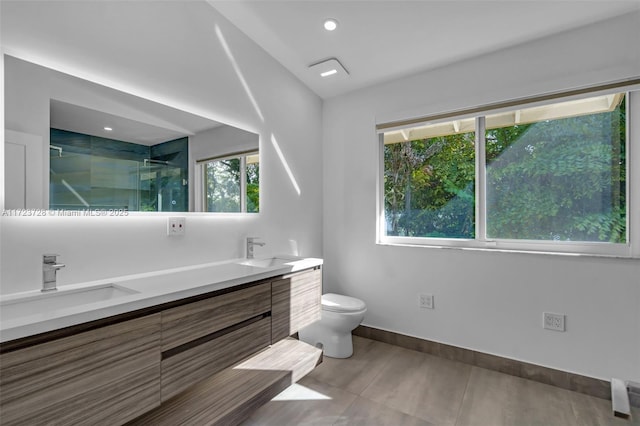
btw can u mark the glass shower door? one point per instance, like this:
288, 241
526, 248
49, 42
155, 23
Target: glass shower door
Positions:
163, 187
79, 181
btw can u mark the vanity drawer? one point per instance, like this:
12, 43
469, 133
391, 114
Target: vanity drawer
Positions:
183, 369
296, 302
105, 376
185, 323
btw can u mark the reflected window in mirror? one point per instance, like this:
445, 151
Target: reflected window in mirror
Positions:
231, 184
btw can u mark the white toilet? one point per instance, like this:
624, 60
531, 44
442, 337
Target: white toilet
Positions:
340, 315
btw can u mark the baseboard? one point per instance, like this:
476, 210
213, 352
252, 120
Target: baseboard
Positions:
549, 376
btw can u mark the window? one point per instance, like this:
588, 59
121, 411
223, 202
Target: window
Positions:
549, 177
231, 184
429, 176
557, 172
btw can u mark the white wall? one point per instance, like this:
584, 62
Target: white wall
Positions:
221, 140
485, 301
183, 54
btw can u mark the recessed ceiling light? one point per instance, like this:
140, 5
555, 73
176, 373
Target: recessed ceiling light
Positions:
328, 73
330, 24
108, 129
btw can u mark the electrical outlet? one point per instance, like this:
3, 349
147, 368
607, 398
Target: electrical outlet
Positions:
553, 321
426, 301
176, 226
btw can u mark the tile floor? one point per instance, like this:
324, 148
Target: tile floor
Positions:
384, 384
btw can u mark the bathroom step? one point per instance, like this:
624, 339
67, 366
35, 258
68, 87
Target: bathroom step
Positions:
230, 396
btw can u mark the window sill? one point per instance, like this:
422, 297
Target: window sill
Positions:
496, 249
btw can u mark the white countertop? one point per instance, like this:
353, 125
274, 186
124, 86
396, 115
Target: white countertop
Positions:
151, 289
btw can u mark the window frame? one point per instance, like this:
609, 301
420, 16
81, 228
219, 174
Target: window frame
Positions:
628, 249
201, 187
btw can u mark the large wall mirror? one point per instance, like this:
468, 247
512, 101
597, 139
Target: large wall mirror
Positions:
73, 145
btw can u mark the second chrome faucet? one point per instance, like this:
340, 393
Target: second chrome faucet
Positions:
251, 242
49, 269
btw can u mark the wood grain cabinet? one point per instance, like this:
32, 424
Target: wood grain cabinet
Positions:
105, 376
189, 322
164, 361
296, 302
183, 369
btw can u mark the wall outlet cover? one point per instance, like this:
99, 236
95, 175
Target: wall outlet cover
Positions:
426, 301
176, 226
552, 321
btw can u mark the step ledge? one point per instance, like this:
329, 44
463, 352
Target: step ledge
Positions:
230, 396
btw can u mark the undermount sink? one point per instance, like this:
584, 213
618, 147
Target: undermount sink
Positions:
60, 299
266, 263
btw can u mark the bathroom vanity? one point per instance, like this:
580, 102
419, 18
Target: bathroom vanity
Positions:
202, 354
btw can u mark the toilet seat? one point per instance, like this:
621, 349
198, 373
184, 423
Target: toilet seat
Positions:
339, 303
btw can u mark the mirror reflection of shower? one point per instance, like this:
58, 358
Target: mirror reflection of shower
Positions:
163, 186
86, 173
61, 179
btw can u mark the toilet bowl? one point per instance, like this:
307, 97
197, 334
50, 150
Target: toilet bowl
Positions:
340, 315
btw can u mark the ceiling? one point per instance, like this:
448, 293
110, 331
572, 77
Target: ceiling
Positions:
130, 118
378, 41
65, 116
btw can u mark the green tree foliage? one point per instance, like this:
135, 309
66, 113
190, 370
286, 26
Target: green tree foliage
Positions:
223, 185
558, 179
429, 189
552, 180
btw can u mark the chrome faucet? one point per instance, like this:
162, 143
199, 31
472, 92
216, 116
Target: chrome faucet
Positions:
251, 242
49, 269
